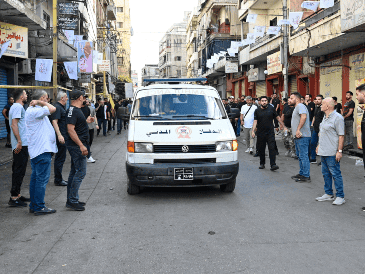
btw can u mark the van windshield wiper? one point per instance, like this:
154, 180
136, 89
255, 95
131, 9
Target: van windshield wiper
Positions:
151, 116
193, 116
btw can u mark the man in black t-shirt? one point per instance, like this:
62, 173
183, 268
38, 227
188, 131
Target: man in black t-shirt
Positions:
58, 119
102, 116
287, 135
310, 106
264, 122
77, 139
338, 106
5, 113
348, 115
109, 113
317, 120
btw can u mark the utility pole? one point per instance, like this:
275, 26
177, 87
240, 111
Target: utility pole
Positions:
55, 48
285, 49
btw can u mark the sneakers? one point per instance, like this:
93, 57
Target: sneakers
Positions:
274, 167
17, 203
256, 155
247, 150
325, 197
91, 160
261, 166
8, 145
339, 201
295, 176
23, 199
75, 206
287, 153
313, 161
251, 151
62, 183
44, 211
303, 179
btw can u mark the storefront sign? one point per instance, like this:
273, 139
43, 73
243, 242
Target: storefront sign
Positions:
231, 67
18, 37
68, 8
274, 63
331, 67
85, 78
105, 66
253, 75
68, 22
352, 16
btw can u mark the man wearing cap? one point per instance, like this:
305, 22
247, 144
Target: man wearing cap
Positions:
77, 139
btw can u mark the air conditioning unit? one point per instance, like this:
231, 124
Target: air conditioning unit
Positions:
24, 67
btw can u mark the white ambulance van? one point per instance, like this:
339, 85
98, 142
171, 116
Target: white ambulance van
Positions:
180, 135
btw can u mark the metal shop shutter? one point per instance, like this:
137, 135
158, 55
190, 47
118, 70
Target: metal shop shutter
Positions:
293, 84
3, 101
260, 89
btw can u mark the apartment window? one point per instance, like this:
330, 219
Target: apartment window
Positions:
274, 22
120, 25
120, 9
47, 19
177, 58
178, 73
168, 43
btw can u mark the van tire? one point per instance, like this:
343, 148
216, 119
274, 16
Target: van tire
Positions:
228, 187
132, 189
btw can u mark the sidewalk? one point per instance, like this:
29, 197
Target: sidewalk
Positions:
5, 152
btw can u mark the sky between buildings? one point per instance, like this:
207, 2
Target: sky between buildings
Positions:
150, 21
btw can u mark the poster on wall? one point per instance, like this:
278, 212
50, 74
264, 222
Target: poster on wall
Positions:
274, 63
85, 57
18, 37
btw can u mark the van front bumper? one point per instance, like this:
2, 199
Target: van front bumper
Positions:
162, 174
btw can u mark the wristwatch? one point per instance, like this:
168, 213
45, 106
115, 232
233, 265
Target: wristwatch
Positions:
340, 151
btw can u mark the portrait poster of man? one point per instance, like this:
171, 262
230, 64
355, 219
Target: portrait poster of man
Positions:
85, 57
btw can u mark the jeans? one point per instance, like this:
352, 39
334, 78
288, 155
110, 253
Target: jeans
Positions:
349, 134
301, 147
313, 145
77, 173
19, 168
102, 123
41, 171
262, 139
331, 170
8, 140
238, 131
59, 160
247, 135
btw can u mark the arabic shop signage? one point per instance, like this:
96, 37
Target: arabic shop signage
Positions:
85, 78
274, 63
68, 8
231, 67
68, 22
18, 37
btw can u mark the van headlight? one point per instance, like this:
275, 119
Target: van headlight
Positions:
223, 146
143, 148
226, 146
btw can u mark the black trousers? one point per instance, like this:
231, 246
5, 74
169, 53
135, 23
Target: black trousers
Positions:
59, 160
19, 168
262, 140
8, 141
91, 138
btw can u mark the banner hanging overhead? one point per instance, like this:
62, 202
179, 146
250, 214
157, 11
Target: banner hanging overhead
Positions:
310, 5
18, 37
43, 70
273, 30
251, 18
71, 68
325, 4
85, 57
295, 18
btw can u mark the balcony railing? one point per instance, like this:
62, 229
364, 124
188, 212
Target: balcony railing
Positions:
316, 17
262, 40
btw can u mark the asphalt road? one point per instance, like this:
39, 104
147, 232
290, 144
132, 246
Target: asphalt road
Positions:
270, 224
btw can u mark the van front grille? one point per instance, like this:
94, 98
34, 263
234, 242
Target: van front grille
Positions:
184, 148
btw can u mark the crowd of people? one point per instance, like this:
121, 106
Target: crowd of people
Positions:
310, 128
40, 130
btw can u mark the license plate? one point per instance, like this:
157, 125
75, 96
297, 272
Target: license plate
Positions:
183, 174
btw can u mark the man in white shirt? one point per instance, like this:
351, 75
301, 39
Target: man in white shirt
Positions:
41, 145
247, 118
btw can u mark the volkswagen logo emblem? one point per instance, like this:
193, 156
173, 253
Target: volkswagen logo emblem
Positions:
185, 149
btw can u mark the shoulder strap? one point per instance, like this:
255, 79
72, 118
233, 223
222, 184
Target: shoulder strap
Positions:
247, 112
